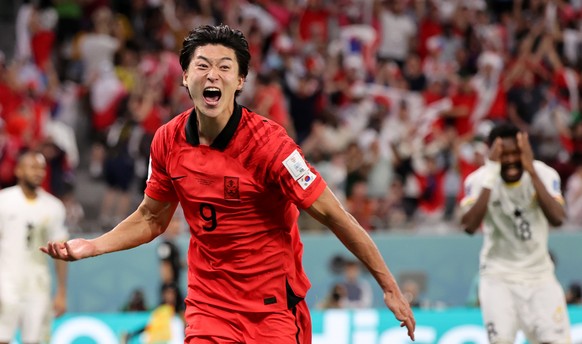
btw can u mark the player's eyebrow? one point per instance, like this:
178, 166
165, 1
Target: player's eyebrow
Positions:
201, 57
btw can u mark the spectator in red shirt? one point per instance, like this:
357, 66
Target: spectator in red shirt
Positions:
240, 180
314, 21
269, 101
429, 25
464, 100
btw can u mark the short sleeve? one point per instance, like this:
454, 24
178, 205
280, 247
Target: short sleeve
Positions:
471, 190
159, 184
294, 176
58, 230
551, 180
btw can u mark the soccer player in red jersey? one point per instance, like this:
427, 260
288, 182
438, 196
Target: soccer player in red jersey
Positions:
239, 179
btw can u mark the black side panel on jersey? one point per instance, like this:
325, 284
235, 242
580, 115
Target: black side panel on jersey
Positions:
292, 299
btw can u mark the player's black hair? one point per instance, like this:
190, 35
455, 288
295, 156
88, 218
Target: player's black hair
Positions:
502, 130
220, 35
25, 151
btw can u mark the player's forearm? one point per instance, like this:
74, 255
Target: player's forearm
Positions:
329, 211
356, 240
471, 220
130, 233
552, 209
141, 227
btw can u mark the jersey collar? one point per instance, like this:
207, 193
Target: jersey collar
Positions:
222, 140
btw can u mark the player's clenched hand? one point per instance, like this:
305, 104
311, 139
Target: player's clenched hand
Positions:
402, 311
70, 250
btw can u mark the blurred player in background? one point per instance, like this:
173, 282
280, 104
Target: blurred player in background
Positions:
516, 198
29, 216
239, 179
158, 329
171, 264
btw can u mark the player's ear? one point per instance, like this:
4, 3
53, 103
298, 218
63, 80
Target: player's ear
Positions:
185, 79
241, 83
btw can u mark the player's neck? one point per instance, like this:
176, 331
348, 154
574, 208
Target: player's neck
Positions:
29, 192
210, 127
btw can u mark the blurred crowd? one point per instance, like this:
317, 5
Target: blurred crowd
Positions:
390, 99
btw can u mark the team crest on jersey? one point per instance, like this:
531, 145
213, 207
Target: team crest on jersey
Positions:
231, 188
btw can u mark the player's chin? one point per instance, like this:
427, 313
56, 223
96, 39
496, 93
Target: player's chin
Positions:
511, 174
210, 110
511, 178
36, 182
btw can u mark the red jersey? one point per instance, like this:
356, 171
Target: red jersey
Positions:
468, 101
240, 198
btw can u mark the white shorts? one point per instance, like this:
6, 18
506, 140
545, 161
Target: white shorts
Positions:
30, 312
538, 309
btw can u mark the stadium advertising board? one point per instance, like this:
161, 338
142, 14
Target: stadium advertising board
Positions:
449, 326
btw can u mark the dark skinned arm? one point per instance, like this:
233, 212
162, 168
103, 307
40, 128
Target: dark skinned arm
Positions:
472, 218
552, 209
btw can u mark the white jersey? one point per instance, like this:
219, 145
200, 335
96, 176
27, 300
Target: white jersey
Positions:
515, 229
25, 226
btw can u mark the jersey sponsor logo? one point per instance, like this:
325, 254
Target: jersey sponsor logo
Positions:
231, 188
295, 165
307, 179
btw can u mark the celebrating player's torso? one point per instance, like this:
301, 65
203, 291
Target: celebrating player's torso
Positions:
239, 197
515, 228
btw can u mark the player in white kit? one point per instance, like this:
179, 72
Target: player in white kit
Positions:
516, 198
29, 216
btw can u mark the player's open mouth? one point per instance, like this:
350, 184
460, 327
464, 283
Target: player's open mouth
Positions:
512, 170
211, 95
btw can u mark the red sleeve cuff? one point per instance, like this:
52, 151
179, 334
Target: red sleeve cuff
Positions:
160, 197
319, 187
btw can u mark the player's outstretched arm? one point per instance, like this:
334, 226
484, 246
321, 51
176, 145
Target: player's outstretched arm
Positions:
329, 211
474, 215
149, 220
